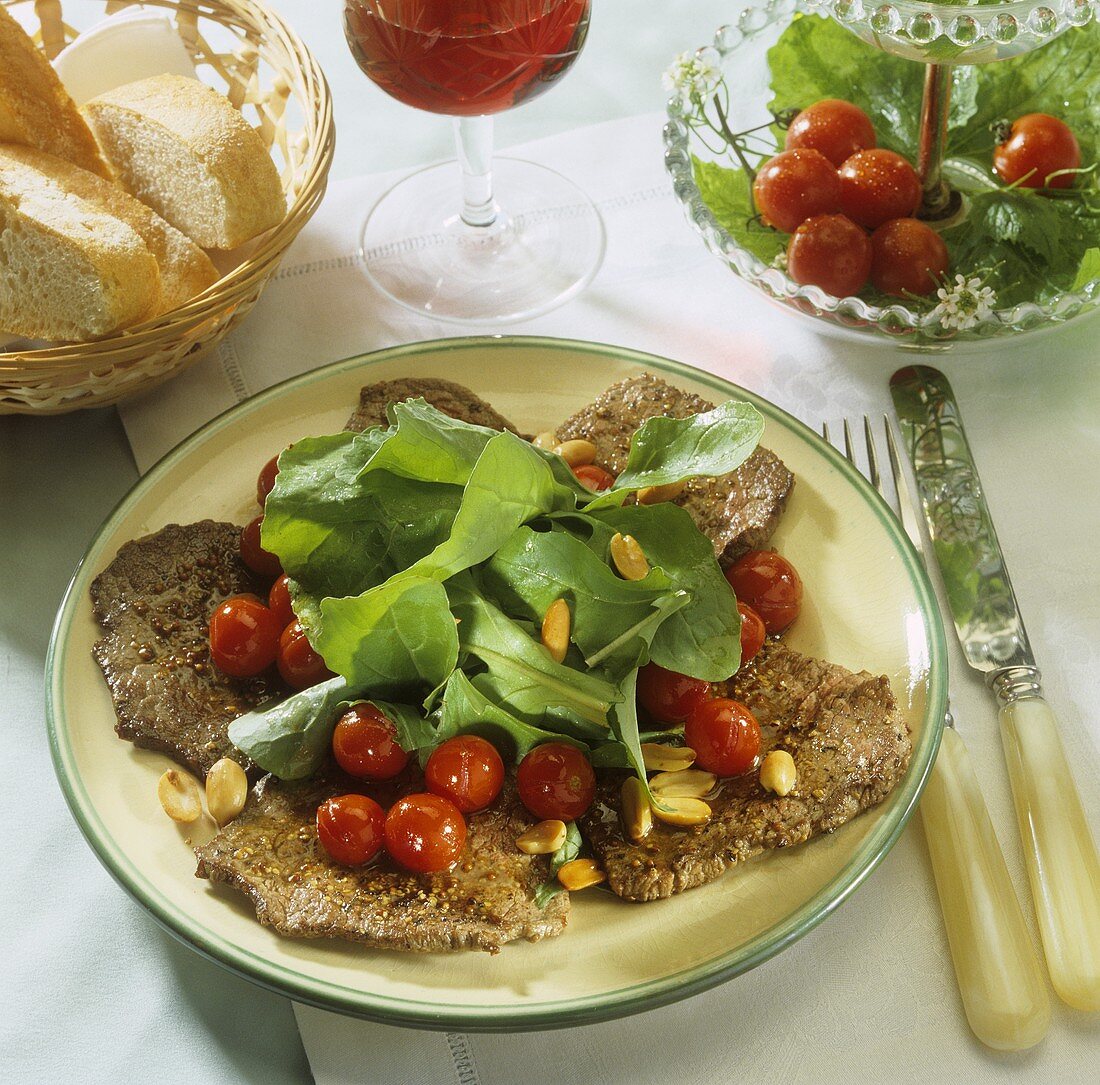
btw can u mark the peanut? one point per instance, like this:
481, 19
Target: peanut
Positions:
661, 758
682, 812
547, 441
654, 495
542, 839
555, 629
778, 773
580, 874
226, 790
628, 557
179, 794
577, 453
637, 816
683, 784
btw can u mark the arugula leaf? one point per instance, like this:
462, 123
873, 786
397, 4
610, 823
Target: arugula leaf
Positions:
291, 738
702, 639
569, 851
728, 194
532, 569
414, 732
666, 450
521, 674
1089, 268
624, 726
395, 639
466, 710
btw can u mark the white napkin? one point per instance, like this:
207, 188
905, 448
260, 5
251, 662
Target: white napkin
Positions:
869, 996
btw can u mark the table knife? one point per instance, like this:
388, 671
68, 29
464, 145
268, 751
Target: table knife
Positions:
1062, 863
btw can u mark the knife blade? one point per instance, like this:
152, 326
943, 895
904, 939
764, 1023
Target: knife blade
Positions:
1061, 857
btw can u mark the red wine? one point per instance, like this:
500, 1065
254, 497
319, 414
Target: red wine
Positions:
465, 57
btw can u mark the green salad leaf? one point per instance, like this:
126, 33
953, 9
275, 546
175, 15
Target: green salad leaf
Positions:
728, 193
291, 738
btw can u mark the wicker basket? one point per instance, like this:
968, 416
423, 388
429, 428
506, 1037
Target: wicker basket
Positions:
249, 53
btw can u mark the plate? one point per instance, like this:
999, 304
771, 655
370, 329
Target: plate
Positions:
868, 605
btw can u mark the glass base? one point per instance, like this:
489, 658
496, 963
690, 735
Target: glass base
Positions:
544, 247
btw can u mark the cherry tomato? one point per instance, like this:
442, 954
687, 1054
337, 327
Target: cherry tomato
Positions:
907, 257
794, 186
467, 770
266, 482
834, 127
279, 600
832, 252
254, 555
425, 833
595, 478
244, 636
669, 696
351, 828
753, 632
724, 735
299, 664
365, 744
555, 780
877, 185
770, 585
1038, 146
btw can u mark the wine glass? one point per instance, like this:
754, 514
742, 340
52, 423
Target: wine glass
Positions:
484, 261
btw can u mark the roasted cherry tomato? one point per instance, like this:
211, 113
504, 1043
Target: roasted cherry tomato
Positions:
724, 735
266, 482
669, 696
794, 186
467, 770
299, 664
878, 185
834, 127
595, 478
832, 252
907, 257
770, 585
244, 636
365, 744
1038, 146
555, 780
753, 632
425, 833
254, 555
351, 828
279, 600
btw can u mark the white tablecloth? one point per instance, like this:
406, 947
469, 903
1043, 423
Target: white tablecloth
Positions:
870, 995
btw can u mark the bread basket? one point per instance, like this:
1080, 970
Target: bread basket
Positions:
250, 54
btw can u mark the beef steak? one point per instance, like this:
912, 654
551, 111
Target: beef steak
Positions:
850, 748
737, 512
271, 853
446, 396
154, 603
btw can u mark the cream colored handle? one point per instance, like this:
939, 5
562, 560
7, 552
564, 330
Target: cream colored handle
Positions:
1002, 986
1062, 863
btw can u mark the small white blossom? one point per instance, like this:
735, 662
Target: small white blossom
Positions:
965, 303
691, 77
780, 260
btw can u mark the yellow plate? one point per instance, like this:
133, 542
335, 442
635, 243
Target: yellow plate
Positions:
868, 605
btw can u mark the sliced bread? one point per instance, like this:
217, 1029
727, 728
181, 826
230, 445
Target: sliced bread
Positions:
68, 270
185, 269
182, 148
35, 108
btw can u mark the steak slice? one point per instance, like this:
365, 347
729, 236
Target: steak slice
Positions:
154, 603
850, 747
738, 512
446, 396
272, 854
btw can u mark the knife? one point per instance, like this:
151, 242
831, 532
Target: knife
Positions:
1062, 863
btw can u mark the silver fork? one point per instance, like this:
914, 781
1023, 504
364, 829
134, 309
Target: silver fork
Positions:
1002, 986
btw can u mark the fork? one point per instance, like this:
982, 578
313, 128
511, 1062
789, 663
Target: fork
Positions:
1002, 987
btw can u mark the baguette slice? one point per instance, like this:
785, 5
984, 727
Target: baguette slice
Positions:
182, 148
185, 269
35, 108
68, 270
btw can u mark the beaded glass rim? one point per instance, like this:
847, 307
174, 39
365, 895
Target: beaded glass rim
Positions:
896, 323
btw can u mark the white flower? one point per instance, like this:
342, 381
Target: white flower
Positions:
691, 77
965, 303
780, 260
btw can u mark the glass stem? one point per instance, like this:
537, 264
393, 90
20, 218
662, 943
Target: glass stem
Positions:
933, 135
474, 145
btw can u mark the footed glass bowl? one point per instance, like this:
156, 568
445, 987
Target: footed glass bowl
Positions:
738, 56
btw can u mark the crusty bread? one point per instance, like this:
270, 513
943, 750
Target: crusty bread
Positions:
185, 269
35, 108
182, 148
68, 270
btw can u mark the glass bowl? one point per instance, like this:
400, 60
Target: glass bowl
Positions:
738, 56
954, 33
